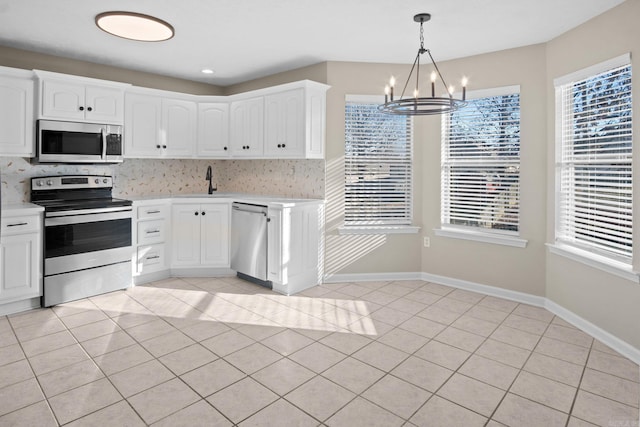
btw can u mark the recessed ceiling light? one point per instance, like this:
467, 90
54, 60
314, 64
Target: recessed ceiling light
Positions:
207, 71
134, 26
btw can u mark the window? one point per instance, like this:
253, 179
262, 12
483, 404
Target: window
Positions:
593, 160
480, 189
378, 155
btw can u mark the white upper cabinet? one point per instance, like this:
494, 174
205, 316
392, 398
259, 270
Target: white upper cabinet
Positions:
286, 121
179, 119
143, 114
16, 113
159, 127
284, 124
213, 129
289, 120
80, 99
247, 127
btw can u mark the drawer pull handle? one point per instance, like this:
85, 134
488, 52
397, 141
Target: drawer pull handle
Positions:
152, 231
17, 224
153, 212
153, 257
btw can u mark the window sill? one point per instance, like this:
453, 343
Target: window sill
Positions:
478, 236
600, 262
379, 229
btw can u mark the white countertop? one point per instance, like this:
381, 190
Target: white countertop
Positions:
236, 197
19, 209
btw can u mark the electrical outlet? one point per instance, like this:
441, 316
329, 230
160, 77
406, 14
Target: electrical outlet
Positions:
427, 242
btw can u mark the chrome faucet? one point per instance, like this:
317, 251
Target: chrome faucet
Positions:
209, 177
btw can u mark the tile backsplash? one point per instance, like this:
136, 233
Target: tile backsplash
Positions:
150, 177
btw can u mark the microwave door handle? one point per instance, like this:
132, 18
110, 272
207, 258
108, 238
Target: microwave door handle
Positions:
104, 143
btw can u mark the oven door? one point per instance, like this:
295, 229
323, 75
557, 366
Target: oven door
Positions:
87, 252
82, 233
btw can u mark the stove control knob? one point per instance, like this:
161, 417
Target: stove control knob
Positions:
49, 182
105, 180
39, 183
97, 181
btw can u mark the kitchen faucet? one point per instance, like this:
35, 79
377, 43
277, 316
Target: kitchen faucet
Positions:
209, 177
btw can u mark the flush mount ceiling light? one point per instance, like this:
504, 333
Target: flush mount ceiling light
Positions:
422, 105
134, 26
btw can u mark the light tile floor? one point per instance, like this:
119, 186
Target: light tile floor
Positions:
216, 352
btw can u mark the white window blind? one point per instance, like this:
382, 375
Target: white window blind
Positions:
594, 167
378, 157
481, 164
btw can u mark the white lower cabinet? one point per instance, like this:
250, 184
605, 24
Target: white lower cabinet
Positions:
151, 222
200, 235
184, 237
20, 257
294, 243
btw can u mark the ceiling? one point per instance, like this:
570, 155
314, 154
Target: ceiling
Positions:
246, 39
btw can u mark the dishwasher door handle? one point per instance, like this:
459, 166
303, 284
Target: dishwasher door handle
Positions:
248, 211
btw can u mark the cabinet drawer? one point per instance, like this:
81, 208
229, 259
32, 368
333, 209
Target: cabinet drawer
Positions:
151, 232
150, 258
20, 225
152, 212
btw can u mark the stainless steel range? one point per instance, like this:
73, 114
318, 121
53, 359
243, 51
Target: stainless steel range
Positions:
87, 237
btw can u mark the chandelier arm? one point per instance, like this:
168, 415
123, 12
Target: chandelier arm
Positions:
416, 61
439, 73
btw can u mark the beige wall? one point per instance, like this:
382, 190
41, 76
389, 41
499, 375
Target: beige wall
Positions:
603, 299
17, 58
518, 269
316, 72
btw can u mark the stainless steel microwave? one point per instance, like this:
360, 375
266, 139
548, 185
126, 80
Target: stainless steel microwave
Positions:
71, 142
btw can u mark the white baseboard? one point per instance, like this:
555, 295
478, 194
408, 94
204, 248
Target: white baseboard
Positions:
370, 277
622, 347
485, 289
201, 272
19, 306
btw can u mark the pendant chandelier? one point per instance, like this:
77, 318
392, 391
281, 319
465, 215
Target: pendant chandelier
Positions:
422, 105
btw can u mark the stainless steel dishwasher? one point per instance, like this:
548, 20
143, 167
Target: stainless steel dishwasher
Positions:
249, 242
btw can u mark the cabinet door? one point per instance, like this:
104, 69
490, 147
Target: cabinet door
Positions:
16, 116
179, 127
213, 130
215, 234
185, 231
62, 100
142, 126
247, 127
104, 104
20, 263
284, 124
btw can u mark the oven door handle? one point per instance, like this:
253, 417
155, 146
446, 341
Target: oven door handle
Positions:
103, 131
77, 212
79, 219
